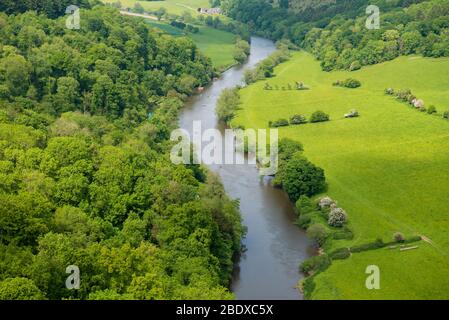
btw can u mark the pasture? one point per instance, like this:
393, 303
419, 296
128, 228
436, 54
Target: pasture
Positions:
173, 6
388, 168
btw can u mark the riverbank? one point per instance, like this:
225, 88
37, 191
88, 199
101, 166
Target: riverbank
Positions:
376, 166
268, 268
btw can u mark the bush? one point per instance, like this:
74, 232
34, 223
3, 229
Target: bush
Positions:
298, 119
308, 287
315, 264
348, 83
304, 205
278, 123
304, 221
446, 114
355, 65
340, 254
389, 91
318, 233
298, 177
337, 217
368, 246
344, 234
398, 237
431, 110
319, 116
352, 83
227, 104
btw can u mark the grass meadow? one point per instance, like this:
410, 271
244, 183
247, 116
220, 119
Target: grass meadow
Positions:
217, 44
172, 6
389, 168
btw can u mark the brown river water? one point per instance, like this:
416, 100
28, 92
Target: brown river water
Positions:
274, 246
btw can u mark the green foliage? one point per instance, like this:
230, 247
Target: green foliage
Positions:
298, 119
398, 237
337, 217
431, 110
278, 123
315, 264
340, 254
335, 30
318, 233
304, 221
227, 104
368, 246
85, 173
348, 83
19, 289
298, 177
446, 114
304, 205
319, 116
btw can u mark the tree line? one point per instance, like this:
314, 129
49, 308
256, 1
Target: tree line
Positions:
336, 32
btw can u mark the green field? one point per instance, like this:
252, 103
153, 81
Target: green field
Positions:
172, 6
389, 168
216, 44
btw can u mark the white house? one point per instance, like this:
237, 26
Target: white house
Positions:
209, 10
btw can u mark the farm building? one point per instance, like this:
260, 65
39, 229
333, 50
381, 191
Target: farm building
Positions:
209, 10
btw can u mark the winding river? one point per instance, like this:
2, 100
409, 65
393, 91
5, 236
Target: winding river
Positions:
268, 268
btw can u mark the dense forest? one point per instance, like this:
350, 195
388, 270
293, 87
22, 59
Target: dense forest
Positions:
335, 31
85, 173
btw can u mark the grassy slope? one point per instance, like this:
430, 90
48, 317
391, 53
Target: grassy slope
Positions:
172, 6
389, 168
216, 44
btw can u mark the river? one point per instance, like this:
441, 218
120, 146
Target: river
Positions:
268, 268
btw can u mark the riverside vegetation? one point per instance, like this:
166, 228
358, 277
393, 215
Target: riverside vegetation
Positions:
388, 168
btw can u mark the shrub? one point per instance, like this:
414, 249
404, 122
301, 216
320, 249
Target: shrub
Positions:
431, 110
318, 233
304, 221
304, 205
319, 116
355, 65
278, 123
446, 114
308, 287
351, 83
325, 202
298, 177
344, 233
315, 264
340, 254
398, 237
267, 86
227, 104
288, 147
389, 91
348, 83
337, 217
298, 119
368, 246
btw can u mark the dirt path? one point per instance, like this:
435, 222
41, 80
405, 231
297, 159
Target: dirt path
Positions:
142, 15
